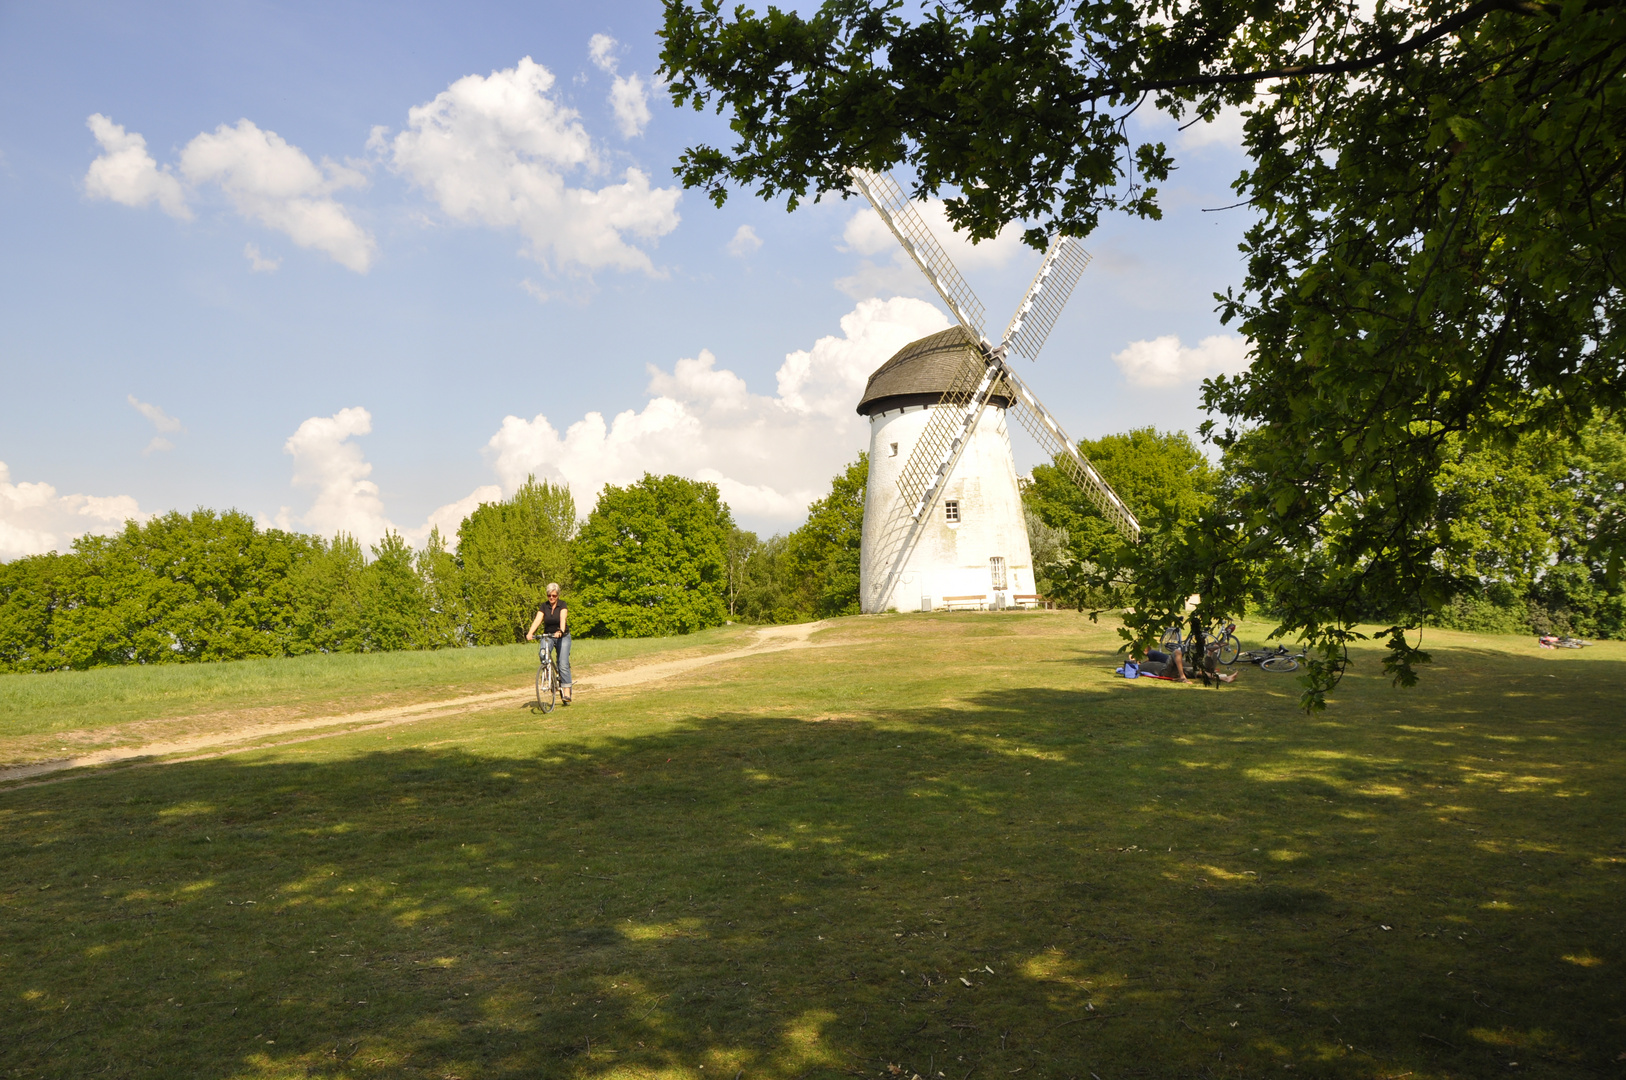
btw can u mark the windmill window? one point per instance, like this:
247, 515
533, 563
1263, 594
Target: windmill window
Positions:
996, 571
894, 452
951, 511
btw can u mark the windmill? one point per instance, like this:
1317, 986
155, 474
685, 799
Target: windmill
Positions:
926, 407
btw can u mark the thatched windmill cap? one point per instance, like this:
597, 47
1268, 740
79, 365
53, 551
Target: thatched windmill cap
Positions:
919, 373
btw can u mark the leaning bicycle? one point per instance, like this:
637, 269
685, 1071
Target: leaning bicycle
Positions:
547, 680
1222, 635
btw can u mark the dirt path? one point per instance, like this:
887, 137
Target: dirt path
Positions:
768, 639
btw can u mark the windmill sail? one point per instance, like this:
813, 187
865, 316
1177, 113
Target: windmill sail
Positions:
1063, 263
910, 228
933, 457
1065, 454
946, 435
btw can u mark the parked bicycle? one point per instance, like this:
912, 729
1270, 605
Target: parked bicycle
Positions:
1222, 634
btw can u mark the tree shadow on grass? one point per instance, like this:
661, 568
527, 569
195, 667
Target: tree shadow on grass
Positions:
1008, 885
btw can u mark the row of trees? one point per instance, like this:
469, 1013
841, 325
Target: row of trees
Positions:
210, 586
660, 556
1530, 536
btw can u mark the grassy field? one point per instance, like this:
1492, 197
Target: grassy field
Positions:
951, 846
174, 699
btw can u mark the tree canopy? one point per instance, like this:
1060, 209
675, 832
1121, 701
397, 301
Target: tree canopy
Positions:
214, 586
652, 559
826, 552
812, 573
510, 550
1161, 476
1434, 263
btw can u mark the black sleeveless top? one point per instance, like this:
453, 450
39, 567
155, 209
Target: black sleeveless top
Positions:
551, 613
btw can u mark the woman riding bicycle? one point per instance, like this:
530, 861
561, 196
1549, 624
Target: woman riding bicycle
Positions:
553, 616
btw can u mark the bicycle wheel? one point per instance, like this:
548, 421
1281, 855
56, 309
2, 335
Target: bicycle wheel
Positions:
1279, 663
547, 687
1229, 649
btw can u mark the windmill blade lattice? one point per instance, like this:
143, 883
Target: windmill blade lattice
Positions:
946, 434
1063, 264
1064, 453
910, 228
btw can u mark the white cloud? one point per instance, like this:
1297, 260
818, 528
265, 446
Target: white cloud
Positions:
630, 100
1164, 361
745, 242
1224, 130
266, 179
629, 97
258, 263
769, 456
34, 519
160, 420
601, 50
493, 150
274, 183
126, 173
326, 459
866, 234
447, 518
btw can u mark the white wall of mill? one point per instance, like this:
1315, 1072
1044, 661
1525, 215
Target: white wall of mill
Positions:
948, 560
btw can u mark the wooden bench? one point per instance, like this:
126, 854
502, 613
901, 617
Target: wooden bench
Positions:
1027, 600
968, 603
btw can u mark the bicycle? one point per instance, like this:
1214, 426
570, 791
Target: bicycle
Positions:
547, 680
1277, 659
1223, 636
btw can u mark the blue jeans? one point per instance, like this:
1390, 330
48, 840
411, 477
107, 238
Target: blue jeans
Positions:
561, 650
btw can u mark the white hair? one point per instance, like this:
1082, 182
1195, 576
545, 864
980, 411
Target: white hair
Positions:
553, 586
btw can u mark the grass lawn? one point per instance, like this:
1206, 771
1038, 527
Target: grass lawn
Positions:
120, 706
952, 846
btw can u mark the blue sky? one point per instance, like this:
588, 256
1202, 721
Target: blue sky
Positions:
240, 271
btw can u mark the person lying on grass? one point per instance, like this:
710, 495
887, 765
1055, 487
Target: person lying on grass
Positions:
1161, 665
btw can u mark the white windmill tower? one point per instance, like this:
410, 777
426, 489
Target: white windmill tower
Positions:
942, 513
